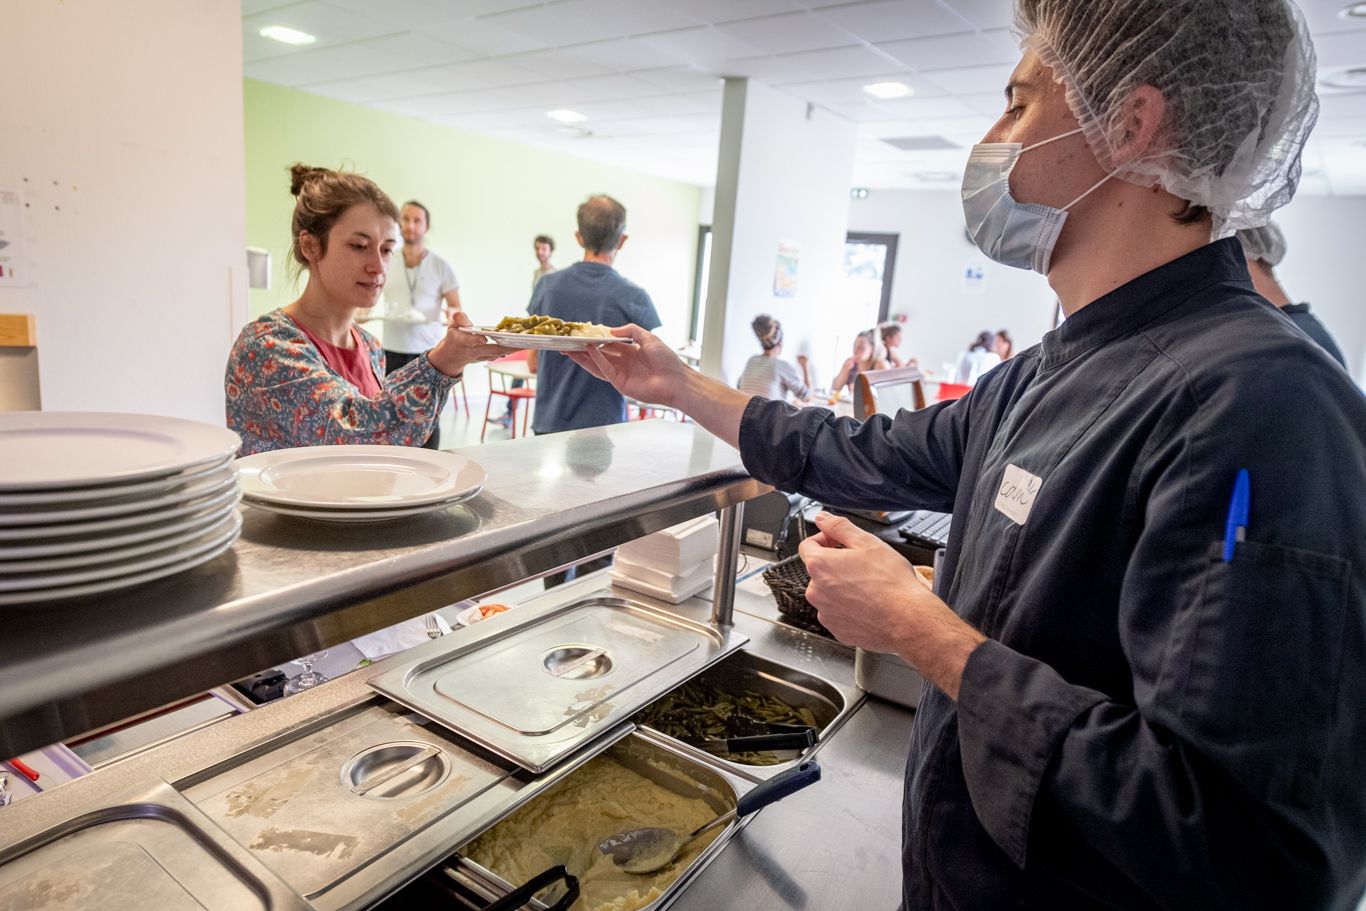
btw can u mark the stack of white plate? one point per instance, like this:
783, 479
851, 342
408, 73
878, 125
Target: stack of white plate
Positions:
92, 502
358, 483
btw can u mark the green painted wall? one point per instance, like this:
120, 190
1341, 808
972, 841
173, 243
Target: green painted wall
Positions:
488, 199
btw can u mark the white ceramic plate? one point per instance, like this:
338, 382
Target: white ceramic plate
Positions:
119, 523
353, 516
177, 552
110, 491
110, 585
58, 449
470, 615
115, 554
14, 516
543, 342
358, 477
92, 546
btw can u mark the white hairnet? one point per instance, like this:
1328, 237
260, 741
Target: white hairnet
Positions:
1237, 76
1266, 243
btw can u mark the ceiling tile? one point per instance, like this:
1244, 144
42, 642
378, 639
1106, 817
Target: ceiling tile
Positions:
1354, 127
841, 63
372, 88
482, 37
556, 65
671, 105
916, 108
893, 20
366, 58
680, 79
788, 33
972, 80
331, 25
728, 10
1323, 18
947, 51
772, 70
252, 7
615, 86
636, 17
476, 74
1341, 49
984, 14
407, 14
702, 46
556, 25
624, 54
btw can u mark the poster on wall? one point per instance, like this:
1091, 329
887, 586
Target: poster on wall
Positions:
11, 240
785, 273
974, 279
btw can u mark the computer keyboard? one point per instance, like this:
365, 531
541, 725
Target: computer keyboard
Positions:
928, 528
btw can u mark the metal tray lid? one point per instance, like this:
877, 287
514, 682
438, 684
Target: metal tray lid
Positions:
538, 689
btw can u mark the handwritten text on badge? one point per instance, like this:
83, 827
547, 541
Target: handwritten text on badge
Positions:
1015, 498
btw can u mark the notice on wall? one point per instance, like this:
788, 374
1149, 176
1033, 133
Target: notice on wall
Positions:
974, 279
12, 262
785, 272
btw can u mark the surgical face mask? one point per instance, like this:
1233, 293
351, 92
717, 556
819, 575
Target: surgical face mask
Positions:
1010, 232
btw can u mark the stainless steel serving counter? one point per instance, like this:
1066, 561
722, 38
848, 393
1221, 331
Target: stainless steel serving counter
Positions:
290, 587
834, 846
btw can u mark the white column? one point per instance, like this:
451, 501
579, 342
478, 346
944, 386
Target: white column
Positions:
782, 183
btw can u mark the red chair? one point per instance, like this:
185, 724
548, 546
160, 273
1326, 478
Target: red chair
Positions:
526, 394
949, 391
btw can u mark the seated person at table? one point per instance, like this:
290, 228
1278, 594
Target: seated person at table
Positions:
976, 360
305, 374
865, 357
891, 344
767, 375
592, 291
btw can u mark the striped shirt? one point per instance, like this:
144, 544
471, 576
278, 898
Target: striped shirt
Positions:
771, 378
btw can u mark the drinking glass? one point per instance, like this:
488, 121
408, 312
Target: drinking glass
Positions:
309, 678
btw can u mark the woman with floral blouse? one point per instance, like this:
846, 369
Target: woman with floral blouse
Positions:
305, 374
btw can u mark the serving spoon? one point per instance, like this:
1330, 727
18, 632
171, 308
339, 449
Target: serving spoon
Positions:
649, 849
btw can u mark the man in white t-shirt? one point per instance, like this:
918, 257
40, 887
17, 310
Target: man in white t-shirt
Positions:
421, 296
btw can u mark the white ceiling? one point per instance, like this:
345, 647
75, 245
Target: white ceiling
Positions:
646, 73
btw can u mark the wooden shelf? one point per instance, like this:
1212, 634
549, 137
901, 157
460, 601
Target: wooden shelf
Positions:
18, 330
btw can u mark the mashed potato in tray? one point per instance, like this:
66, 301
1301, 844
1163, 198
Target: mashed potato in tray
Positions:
566, 824
549, 325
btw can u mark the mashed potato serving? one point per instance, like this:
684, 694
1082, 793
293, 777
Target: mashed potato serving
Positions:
566, 824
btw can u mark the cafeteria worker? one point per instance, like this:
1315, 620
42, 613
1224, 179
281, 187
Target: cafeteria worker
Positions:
1148, 646
305, 374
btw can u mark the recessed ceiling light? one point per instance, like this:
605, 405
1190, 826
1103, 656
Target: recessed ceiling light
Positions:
887, 90
1351, 78
566, 116
1354, 11
287, 35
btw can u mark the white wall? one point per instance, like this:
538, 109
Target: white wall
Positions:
783, 178
1323, 267
943, 310
123, 129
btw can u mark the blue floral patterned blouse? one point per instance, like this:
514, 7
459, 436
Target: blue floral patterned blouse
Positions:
281, 393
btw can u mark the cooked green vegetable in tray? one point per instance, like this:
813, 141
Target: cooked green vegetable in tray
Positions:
699, 711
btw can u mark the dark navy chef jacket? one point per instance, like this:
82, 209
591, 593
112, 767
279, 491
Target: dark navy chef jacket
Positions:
1148, 725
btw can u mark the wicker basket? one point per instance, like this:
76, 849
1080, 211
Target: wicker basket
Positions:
788, 579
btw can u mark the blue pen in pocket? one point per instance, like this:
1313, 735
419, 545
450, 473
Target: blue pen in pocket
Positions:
1235, 529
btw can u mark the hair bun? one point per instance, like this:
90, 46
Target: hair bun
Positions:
300, 174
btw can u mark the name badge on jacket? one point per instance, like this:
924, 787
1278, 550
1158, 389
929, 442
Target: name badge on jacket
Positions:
1015, 498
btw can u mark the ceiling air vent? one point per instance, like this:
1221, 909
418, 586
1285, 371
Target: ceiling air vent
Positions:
922, 143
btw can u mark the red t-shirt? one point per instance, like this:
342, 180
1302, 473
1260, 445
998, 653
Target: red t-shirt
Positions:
352, 363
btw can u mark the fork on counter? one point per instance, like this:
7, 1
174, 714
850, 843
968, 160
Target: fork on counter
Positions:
434, 630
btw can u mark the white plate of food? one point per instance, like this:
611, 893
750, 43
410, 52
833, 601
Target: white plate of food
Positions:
472, 615
547, 333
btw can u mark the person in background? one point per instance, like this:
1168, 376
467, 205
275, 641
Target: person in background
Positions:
428, 289
305, 375
544, 246
767, 374
1145, 655
891, 344
1265, 248
1004, 345
591, 291
864, 357
976, 360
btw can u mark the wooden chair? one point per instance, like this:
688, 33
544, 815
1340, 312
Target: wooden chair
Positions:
889, 391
